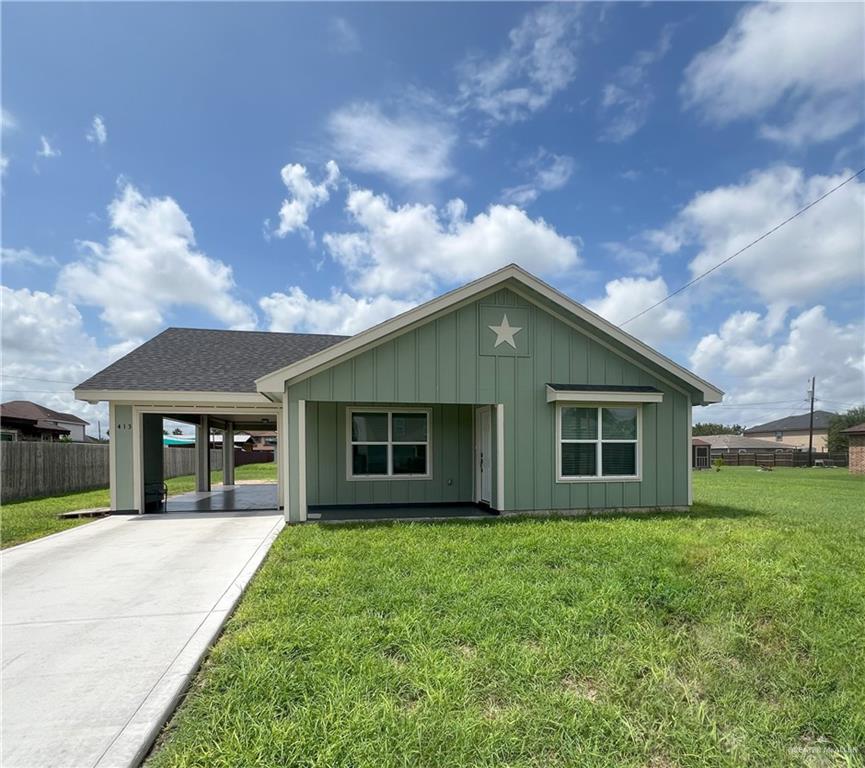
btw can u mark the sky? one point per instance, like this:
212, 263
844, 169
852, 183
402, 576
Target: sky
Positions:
321, 167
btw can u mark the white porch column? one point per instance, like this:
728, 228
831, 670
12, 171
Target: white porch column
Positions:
228, 454
202, 454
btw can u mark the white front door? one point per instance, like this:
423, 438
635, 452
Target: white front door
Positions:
484, 454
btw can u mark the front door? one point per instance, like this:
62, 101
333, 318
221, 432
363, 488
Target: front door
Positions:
484, 454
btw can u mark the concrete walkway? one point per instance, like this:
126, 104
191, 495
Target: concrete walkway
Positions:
104, 624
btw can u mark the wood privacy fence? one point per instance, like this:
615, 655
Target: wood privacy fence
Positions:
779, 459
32, 469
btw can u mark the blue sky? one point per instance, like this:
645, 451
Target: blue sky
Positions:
321, 167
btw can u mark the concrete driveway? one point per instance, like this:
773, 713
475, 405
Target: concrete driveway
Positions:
103, 625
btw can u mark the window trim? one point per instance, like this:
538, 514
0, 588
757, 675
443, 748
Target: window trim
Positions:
599, 441
389, 410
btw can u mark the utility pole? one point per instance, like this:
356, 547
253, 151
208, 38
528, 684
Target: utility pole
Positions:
99, 429
811, 425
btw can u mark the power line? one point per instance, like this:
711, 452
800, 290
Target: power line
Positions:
36, 378
742, 250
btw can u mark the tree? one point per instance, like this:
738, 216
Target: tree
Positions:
717, 429
837, 440
177, 431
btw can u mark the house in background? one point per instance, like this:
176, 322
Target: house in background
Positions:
262, 440
856, 442
700, 453
793, 430
740, 444
503, 394
25, 420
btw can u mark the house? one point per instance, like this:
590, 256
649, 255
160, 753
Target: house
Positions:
700, 453
503, 393
25, 420
262, 440
794, 430
741, 444
856, 442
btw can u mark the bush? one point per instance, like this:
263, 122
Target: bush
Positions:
718, 463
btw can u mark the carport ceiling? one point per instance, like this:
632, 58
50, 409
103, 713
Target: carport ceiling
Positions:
241, 421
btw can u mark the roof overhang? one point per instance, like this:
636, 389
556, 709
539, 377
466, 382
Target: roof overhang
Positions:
273, 384
171, 397
558, 393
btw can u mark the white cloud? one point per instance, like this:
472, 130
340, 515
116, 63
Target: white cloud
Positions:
626, 99
45, 344
341, 313
626, 296
46, 150
7, 120
744, 359
539, 62
411, 148
814, 256
10, 256
409, 250
149, 265
635, 259
343, 36
98, 133
799, 65
304, 196
549, 172
4, 165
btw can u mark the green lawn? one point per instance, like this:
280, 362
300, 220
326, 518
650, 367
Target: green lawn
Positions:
22, 521
730, 636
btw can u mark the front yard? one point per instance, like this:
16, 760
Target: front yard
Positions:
733, 635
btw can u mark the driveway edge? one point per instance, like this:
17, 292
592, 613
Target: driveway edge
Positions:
135, 741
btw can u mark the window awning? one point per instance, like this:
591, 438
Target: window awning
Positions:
602, 393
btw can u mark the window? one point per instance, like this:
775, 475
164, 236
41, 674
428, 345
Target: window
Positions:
779, 436
8, 435
598, 442
388, 444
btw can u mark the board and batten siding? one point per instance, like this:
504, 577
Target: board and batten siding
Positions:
439, 363
452, 450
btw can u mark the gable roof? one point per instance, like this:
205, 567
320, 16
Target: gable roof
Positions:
198, 360
30, 411
800, 421
273, 383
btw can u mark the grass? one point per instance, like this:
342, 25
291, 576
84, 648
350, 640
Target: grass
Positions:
730, 636
22, 521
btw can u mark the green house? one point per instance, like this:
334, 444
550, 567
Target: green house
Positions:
503, 395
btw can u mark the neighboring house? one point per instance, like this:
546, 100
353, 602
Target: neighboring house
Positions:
741, 444
700, 453
262, 441
24, 420
793, 430
856, 441
503, 393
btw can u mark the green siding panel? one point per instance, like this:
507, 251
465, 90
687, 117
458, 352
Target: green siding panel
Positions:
438, 363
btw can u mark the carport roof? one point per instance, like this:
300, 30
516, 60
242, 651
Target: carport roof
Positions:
194, 359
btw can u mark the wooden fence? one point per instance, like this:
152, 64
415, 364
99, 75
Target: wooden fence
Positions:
30, 469
779, 458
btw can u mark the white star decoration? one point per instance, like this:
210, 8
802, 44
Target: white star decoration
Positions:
505, 332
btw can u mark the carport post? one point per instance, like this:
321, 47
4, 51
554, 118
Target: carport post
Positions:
228, 454
202, 454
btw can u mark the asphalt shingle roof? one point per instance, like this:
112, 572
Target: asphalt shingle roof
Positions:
199, 360
30, 411
821, 421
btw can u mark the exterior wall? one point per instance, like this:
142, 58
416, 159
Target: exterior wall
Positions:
451, 457
440, 362
122, 457
76, 431
857, 455
798, 438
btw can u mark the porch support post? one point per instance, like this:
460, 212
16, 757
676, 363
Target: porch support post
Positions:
202, 454
690, 452
228, 454
294, 417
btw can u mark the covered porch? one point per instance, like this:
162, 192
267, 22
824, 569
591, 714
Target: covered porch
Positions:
356, 461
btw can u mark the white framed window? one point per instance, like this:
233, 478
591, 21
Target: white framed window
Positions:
8, 435
388, 443
598, 442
